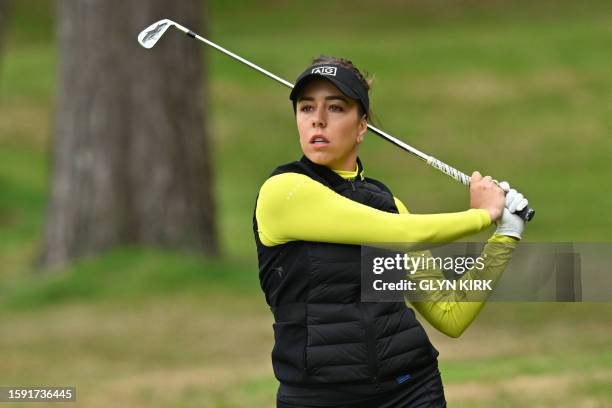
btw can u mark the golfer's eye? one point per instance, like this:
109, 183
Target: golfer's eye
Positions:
335, 108
306, 108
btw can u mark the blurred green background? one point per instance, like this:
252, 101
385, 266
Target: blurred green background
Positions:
519, 90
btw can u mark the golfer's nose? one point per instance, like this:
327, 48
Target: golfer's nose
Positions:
319, 119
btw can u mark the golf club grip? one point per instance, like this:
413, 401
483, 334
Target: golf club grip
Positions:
526, 213
449, 170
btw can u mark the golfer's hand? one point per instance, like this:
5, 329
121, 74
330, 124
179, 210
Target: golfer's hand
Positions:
487, 195
512, 225
515, 201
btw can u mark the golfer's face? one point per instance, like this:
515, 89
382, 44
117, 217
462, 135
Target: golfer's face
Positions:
329, 125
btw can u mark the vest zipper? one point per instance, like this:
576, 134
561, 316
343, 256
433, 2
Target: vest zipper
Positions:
371, 343
352, 183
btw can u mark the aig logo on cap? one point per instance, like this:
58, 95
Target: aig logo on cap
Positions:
324, 71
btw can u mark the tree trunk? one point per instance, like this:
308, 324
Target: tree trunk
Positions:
131, 158
4, 9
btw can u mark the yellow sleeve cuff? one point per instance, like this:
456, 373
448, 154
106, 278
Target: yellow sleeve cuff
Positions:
503, 238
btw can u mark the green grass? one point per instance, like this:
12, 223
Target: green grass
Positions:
127, 275
500, 367
520, 91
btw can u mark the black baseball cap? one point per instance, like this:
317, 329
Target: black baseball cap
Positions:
343, 78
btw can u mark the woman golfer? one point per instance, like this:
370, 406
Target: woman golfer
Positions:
331, 349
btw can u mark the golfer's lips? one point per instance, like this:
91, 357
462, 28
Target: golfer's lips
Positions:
319, 140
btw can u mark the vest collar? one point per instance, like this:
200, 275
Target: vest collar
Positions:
330, 176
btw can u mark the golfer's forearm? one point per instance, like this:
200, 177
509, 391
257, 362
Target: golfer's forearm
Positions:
294, 207
443, 310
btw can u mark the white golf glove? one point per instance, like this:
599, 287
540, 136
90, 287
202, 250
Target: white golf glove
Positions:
511, 224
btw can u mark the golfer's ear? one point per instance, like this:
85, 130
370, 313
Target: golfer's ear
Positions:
363, 128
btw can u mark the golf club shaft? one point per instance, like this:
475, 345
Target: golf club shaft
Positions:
526, 213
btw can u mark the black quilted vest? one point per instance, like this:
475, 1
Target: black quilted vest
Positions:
323, 333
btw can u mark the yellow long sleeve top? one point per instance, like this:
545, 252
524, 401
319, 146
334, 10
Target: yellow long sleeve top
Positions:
294, 207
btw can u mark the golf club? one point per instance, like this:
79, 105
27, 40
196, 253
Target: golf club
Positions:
150, 35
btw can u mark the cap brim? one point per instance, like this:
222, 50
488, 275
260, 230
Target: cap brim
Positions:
310, 77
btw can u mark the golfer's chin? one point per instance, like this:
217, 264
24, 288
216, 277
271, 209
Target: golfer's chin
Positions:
321, 158
329, 159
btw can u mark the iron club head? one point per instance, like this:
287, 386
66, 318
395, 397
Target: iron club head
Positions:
150, 35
